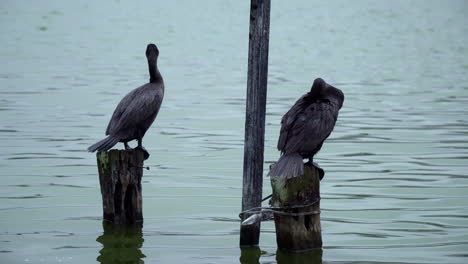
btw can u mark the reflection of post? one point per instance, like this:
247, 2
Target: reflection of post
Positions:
250, 255
121, 244
300, 230
310, 257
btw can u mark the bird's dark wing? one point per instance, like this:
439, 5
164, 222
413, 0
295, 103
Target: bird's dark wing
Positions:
288, 120
119, 110
135, 109
311, 127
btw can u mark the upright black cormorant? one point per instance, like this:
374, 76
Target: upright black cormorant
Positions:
305, 127
137, 110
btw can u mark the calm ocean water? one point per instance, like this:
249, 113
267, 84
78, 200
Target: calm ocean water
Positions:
397, 162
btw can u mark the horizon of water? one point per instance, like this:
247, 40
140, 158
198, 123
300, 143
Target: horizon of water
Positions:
395, 189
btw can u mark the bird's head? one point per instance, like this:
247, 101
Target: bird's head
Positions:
322, 90
318, 88
152, 52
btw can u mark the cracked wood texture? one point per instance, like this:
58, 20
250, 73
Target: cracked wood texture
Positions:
120, 173
298, 233
255, 115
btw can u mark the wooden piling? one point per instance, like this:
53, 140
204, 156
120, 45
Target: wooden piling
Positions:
255, 115
120, 173
298, 233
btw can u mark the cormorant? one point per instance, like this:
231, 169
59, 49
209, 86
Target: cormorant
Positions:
305, 127
137, 110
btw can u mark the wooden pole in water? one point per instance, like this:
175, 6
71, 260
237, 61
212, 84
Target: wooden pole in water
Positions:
300, 232
255, 115
120, 173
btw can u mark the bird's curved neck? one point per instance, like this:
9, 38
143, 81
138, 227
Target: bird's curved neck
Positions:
155, 75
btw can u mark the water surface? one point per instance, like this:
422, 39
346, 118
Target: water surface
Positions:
396, 184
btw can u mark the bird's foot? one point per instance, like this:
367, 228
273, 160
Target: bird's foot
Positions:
315, 165
127, 147
145, 152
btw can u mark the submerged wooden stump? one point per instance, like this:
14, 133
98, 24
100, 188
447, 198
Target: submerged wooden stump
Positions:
120, 173
302, 231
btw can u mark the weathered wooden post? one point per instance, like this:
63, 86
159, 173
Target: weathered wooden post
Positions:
298, 223
255, 115
120, 173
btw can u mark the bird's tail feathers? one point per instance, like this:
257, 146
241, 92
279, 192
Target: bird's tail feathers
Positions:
288, 166
105, 144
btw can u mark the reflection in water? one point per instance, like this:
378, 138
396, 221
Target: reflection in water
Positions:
250, 255
310, 257
121, 244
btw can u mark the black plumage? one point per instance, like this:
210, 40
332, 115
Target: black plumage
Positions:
305, 127
137, 110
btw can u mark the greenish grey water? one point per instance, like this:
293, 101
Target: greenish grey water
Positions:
396, 183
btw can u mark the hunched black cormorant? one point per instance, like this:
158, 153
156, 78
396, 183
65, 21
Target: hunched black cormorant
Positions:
305, 127
136, 111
